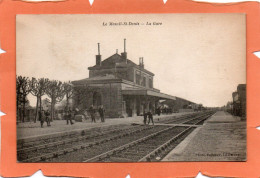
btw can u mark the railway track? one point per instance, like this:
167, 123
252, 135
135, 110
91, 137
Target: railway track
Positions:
32, 142
134, 151
194, 120
150, 148
174, 119
183, 119
62, 147
71, 139
79, 147
104, 145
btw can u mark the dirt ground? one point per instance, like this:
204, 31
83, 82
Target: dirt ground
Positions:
221, 138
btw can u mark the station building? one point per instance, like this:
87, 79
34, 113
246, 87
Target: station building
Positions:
239, 101
125, 89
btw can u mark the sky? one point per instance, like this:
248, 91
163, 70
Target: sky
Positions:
199, 57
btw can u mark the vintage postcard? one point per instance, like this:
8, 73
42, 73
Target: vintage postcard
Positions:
131, 87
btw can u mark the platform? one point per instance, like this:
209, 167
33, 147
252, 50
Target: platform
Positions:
31, 129
221, 138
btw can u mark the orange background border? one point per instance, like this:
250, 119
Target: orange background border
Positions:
9, 167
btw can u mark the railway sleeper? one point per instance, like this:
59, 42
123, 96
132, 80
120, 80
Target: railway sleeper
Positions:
103, 141
43, 158
129, 153
106, 156
120, 149
119, 159
69, 150
55, 155
60, 153
148, 159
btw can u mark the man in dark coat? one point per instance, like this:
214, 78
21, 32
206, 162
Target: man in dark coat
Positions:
47, 116
41, 117
101, 111
92, 113
69, 117
145, 117
158, 111
150, 116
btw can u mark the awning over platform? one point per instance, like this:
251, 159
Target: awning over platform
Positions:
148, 93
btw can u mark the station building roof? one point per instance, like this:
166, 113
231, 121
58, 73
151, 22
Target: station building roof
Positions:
148, 93
116, 58
96, 78
138, 90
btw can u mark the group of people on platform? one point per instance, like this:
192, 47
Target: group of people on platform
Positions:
44, 115
148, 115
101, 112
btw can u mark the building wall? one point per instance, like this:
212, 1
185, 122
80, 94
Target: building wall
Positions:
110, 97
130, 74
136, 105
141, 74
119, 72
127, 73
94, 73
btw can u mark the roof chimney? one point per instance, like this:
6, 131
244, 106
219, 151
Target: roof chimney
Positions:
124, 45
98, 57
124, 54
141, 62
98, 49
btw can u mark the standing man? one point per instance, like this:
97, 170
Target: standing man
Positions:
92, 113
145, 117
41, 117
150, 116
47, 116
69, 117
101, 111
159, 111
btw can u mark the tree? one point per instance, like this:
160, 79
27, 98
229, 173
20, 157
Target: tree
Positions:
81, 95
23, 88
38, 88
18, 97
68, 90
56, 93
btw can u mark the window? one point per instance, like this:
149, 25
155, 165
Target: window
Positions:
144, 81
137, 78
122, 75
150, 83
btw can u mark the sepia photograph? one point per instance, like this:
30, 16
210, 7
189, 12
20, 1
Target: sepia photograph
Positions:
131, 87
